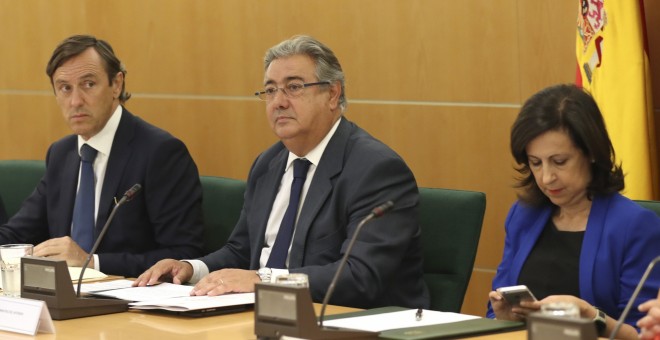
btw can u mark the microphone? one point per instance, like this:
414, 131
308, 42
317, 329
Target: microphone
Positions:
626, 310
130, 193
375, 213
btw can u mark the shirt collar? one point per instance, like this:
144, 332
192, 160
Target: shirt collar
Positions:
102, 141
314, 156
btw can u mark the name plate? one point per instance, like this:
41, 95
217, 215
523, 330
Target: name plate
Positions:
25, 316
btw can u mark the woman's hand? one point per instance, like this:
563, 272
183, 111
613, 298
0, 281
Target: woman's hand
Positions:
505, 311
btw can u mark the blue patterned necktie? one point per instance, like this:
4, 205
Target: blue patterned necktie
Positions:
280, 249
83, 211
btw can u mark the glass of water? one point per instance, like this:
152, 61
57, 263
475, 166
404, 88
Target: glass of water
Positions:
10, 265
293, 279
563, 309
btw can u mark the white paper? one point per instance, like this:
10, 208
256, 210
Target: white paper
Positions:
396, 320
25, 316
187, 303
161, 291
90, 274
104, 285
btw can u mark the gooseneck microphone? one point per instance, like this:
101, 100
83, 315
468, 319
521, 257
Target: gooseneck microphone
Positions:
626, 310
130, 193
375, 213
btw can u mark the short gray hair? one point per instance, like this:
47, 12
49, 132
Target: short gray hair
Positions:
327, 64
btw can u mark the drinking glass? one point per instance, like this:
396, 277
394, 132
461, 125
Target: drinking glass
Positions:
293, 279
563, 309
10, 265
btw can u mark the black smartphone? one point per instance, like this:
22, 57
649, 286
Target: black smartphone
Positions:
514, 294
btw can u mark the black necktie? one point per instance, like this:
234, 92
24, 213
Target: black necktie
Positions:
280, 249
83, 211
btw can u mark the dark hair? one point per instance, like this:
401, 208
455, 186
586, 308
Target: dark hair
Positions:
327, 64
571, 109
77, 44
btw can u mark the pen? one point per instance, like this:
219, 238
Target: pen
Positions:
418, 315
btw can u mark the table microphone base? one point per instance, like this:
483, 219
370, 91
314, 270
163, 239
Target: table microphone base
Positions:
49, 280
288, 310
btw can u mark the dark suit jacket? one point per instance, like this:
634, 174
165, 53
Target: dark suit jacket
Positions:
356, 173
621, 239
162, 221
3, 213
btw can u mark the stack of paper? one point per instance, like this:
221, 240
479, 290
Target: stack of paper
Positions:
164, 296
90, 274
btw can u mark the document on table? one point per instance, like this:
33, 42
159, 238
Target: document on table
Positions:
104, 285
157, 292
396, 320
166, 296
90, 274
186, 303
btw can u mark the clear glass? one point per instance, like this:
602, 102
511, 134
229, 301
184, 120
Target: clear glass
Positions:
293, 279
10, 265
562, 309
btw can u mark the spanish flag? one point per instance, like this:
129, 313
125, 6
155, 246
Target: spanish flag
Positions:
613, 65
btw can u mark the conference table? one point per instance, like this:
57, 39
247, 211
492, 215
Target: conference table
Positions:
140, 325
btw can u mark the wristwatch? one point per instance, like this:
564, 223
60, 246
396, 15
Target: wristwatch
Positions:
264, 274
600, 320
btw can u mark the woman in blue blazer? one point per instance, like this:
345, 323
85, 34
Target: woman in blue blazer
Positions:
572, 237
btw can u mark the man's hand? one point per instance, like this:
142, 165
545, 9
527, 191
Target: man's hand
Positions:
63, 248
226, 281
178, 271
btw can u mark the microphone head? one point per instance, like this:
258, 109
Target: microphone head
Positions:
382, 209
130, 193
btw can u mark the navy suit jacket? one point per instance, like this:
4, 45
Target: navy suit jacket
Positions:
620, 241
163, 221
356, 173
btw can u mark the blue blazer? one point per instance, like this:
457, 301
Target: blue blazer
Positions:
620, 241
163, 221
356, 173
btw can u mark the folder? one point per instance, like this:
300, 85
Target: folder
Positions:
453, 330
437, 331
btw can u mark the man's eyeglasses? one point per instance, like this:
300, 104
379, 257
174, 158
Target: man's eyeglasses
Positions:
291, 90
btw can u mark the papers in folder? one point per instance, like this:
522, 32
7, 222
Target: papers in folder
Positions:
165, 296
189, 303
402, 324
394, 320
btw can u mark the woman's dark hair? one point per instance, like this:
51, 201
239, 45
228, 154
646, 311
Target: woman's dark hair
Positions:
77, 44
570, 109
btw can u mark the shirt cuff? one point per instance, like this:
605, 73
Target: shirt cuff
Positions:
97, 265
199, 270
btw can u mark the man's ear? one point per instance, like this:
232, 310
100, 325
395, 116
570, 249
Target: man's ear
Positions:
335, 93
116, 84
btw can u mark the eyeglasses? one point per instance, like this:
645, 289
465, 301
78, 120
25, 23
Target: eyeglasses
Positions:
291, 90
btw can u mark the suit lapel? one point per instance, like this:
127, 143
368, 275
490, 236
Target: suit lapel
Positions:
265, 190
120, 154
531, 236
70, 186
590, 243
331, 165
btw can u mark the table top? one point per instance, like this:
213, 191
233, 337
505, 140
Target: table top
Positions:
149, 325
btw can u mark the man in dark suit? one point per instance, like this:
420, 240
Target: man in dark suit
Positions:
349, 174
162, 221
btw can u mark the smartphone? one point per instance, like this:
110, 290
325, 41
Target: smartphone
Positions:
514, 294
